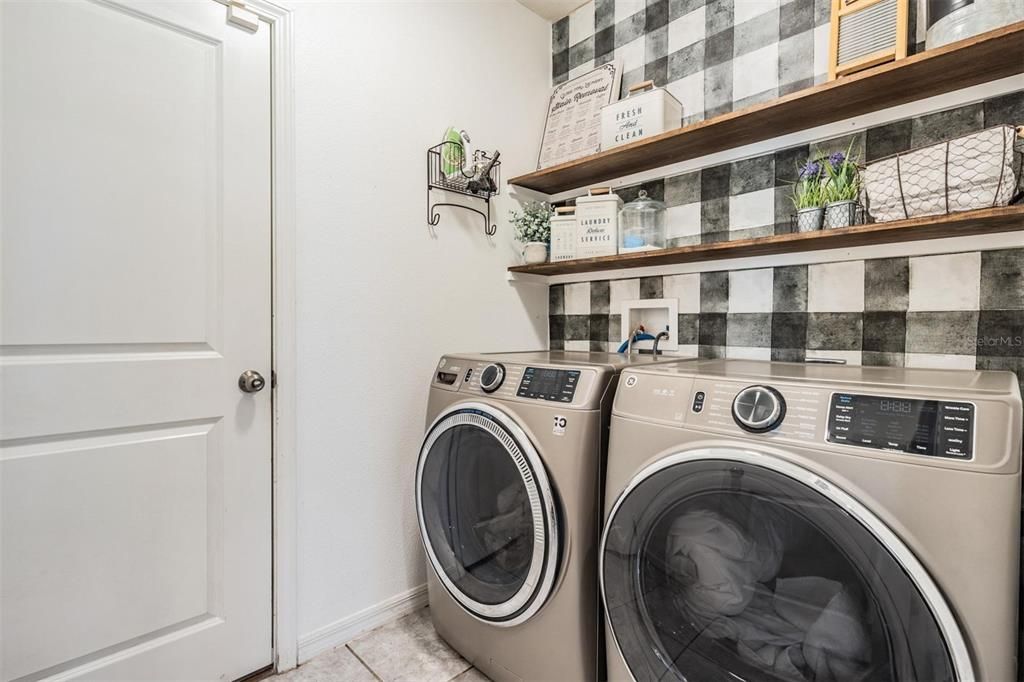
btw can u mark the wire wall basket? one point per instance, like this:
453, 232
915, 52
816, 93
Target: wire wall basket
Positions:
449, 170
978, 170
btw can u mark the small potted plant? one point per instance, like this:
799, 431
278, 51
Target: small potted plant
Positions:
842, 190
533, 231
808, 197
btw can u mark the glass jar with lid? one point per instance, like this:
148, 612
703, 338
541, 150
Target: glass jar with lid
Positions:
642, 225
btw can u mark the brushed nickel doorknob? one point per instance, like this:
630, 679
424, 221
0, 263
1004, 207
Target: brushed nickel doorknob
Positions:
251, 381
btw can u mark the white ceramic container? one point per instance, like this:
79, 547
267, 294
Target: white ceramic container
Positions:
563, 234
647, 111
597, 219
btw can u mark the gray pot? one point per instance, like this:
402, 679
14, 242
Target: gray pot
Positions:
840, 214
809, 219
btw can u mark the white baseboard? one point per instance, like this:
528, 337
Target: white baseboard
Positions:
345, 630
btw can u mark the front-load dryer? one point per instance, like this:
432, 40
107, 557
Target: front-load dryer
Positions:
508, 497
776, 521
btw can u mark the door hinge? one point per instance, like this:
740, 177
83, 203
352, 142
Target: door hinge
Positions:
242, 17
273, 379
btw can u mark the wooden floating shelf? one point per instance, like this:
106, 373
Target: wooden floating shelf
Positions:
984, 221
986, 57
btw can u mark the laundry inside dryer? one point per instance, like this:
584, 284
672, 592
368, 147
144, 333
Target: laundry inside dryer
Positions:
743, 572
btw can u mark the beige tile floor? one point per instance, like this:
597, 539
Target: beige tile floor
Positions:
405, 650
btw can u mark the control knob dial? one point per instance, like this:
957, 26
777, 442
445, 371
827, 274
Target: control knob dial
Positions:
492, 377
758, 409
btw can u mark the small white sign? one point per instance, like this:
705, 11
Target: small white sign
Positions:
559, 426
573, 125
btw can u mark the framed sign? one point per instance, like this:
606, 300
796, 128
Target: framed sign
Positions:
573, 126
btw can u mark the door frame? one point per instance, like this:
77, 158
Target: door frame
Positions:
279, 20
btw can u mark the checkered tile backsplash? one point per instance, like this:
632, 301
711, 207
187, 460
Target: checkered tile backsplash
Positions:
713, 55
962, 311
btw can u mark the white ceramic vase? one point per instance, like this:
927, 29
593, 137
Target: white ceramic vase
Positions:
535, 252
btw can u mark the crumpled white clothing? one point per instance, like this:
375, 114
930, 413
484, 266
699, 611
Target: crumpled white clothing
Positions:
803, 628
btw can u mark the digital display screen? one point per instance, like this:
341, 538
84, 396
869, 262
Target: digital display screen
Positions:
923, 427
544, 383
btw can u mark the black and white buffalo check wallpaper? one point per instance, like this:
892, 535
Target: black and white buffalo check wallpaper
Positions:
956, 310
713, 55
960, 311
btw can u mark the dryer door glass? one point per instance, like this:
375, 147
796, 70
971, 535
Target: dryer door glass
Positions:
486, 515
723, 570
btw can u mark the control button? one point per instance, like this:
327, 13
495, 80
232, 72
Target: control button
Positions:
469, 375
492, 377
698, 401
956, 430
758, 409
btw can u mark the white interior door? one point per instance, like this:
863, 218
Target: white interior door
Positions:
135, 246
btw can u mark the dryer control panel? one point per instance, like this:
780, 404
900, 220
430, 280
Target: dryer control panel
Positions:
933, 428
547, 383
566, 386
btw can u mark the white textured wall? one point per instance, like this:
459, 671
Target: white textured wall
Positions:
379, 296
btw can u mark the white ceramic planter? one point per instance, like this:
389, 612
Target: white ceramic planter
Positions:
535, 252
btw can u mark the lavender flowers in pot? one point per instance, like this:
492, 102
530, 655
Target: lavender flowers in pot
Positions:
808, 197
841, 190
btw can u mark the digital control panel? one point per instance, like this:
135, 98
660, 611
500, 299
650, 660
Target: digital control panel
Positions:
934, 428
542, 383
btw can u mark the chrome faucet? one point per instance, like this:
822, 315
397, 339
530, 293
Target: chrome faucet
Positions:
632, 337
663, 334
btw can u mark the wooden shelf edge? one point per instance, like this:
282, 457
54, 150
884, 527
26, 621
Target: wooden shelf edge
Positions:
983, 221
985, 57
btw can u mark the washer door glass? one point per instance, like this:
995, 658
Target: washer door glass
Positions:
487, 515
715, 568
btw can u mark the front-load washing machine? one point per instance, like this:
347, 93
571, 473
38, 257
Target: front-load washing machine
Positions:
508, 496
777, 521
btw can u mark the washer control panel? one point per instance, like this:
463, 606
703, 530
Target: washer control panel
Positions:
546, 383
934, 428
